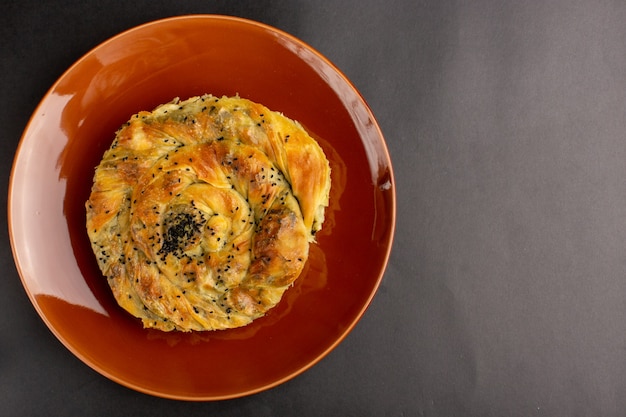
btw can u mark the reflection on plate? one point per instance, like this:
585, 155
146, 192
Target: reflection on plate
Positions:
75, 123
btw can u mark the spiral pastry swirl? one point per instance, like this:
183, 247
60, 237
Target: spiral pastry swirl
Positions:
201, 212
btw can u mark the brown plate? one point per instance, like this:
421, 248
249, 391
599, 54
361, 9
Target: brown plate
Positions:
137, 70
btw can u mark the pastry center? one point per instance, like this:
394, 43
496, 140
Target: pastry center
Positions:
182, 232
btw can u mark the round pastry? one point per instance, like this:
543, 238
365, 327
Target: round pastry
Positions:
202, 211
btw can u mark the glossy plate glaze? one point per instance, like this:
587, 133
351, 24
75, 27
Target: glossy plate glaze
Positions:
75, 123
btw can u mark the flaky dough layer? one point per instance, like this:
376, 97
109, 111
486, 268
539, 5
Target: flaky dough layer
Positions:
202, 211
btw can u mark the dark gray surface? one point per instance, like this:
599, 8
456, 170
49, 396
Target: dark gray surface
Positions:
505, 293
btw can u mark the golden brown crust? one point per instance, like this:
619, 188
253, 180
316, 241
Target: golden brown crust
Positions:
202, 211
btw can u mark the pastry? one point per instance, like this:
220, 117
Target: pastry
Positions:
202, 211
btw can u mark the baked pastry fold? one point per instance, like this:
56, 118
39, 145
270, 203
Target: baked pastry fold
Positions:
202, 211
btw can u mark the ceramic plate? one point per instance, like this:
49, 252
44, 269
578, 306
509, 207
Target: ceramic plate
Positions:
75, 123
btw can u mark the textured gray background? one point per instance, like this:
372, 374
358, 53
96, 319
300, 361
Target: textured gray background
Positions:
505, 294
